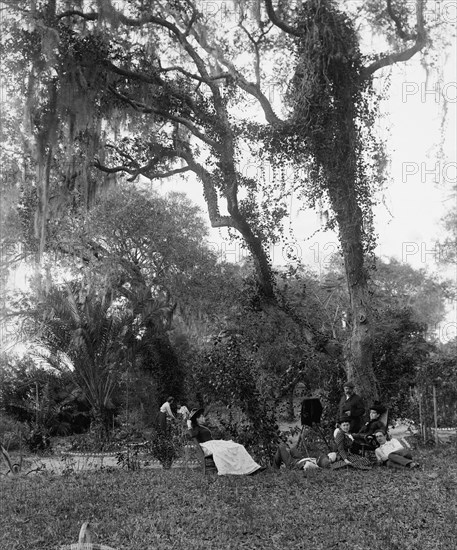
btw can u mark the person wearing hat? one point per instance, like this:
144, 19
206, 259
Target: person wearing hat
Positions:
229, 457
366, 434
352, 407
343, 448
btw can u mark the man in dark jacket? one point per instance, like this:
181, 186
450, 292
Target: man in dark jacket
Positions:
352, 407
294, 459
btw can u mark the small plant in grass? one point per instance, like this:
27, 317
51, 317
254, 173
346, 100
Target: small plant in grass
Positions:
129, 458
165, 446
38, 439
12, 433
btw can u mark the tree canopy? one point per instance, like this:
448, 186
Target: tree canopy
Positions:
162, 90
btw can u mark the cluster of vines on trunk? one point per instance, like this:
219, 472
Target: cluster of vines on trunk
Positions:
333, 111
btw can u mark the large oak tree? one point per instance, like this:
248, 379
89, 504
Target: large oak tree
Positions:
158, 90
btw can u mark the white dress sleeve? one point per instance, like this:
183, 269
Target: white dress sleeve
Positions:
165, 408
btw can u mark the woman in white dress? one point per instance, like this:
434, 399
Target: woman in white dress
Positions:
229, 457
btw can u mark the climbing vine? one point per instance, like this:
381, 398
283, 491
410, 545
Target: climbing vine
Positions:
333, 110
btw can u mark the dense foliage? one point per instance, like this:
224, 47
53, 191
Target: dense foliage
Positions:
109, 92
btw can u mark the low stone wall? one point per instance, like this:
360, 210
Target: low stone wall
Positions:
74, 462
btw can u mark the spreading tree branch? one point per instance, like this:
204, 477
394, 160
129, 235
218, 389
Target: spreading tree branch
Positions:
146, 171
398, 24
210, 193
278, 22
251, 88
139, 106
392, 58
167, 86
255, 44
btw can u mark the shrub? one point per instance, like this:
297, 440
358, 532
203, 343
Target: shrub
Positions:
11, 432
165, 446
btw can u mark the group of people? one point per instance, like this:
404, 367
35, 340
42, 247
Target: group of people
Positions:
352, 435
166, 414
351, 438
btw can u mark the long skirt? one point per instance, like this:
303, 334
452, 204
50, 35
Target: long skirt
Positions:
230, 457
357, 462
161, 422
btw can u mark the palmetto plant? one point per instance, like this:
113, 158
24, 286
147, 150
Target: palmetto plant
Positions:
83, 333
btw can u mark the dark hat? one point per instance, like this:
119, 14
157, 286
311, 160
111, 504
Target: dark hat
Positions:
195, 413
344, 418
378, 407
349, 384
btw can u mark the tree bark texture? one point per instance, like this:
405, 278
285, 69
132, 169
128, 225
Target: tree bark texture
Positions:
359, 353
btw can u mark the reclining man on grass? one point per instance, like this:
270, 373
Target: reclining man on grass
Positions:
296, 459
391, 453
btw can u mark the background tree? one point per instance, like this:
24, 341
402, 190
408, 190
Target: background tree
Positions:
45, 402
200, 110
81, 334
150, 252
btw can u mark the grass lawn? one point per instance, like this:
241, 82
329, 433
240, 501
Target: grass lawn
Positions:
182, 509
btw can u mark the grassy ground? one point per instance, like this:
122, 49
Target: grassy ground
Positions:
182, 509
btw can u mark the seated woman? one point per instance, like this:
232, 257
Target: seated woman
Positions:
343, 447
229, 457
366, 434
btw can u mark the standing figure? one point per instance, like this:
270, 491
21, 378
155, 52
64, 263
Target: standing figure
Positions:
352, 407
165, 414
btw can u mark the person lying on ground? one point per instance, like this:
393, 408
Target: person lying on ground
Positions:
366, 434
391, 452
297, 459
343, 448
229, 457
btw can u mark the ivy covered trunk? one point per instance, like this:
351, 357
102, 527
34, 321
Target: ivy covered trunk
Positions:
359, 352
359, 349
